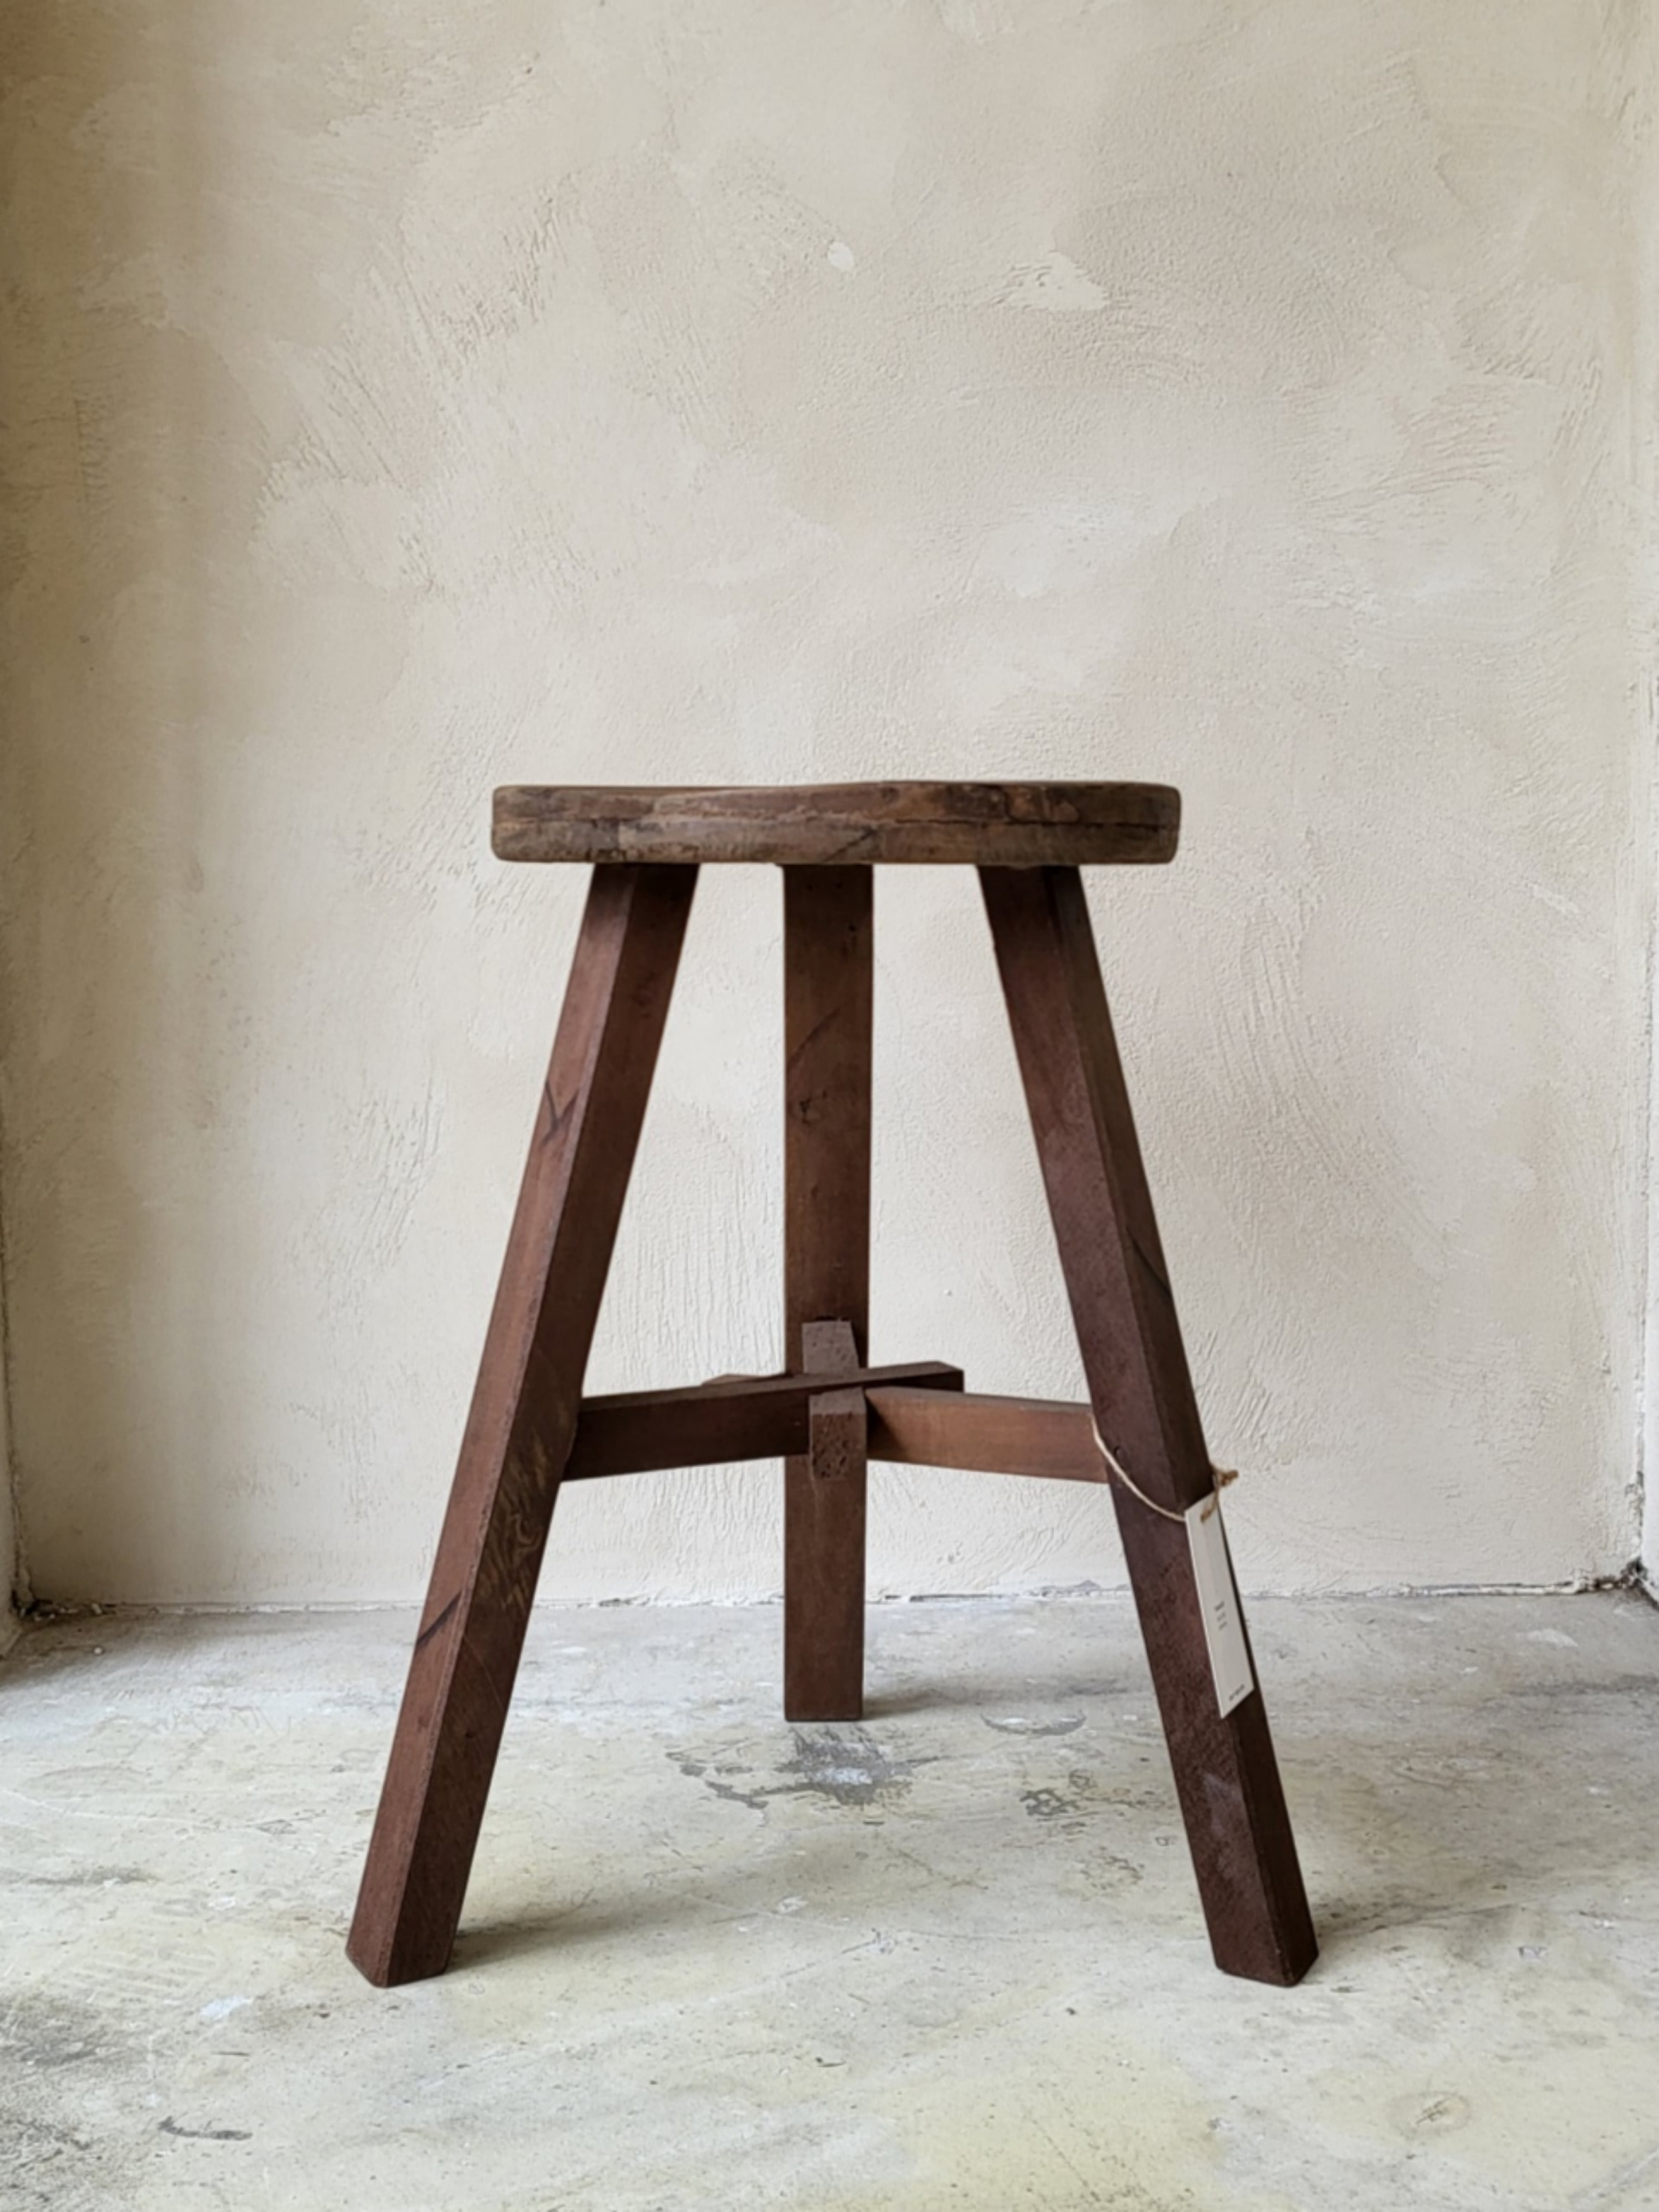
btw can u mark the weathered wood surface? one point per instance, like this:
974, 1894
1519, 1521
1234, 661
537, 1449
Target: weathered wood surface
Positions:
1135, 1364
1042, 1437
738, 1418
829, 1347
1019, 825
828, 977
523, 1418
838, 1450
836, 1420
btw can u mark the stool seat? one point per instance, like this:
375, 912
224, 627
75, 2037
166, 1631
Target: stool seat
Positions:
1004, 825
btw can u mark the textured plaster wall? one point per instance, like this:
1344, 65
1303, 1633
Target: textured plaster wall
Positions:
401, 399
11, 1576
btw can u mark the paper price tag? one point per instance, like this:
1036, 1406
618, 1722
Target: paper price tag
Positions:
1223, 1623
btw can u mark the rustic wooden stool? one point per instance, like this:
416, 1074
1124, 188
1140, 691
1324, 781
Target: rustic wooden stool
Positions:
530, 1427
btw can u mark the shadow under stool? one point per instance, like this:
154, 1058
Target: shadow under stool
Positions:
531, 1429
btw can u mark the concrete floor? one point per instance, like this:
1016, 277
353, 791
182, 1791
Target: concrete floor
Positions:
951, 1959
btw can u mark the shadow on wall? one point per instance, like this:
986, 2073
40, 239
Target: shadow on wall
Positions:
127, 704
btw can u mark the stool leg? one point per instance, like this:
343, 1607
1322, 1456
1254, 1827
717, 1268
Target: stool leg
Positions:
827, 978
1227, 1778
522, 1417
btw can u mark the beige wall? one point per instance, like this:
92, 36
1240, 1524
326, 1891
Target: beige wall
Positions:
402, 398
11, 1591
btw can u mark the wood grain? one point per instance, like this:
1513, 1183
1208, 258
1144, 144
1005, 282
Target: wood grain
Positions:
738, 1418
522, 1417
835, 825
1042, 1437
1135, 1363
827, 967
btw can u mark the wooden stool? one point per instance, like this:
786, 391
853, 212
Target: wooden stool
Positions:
530, 1427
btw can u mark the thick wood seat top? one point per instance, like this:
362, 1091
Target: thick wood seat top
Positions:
1006, 825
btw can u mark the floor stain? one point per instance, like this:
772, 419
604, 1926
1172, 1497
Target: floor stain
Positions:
847, 1766
713, 1778
60, 2059
1020, 1724
1106, 1873
171, 2127
91, 1877
841, 1765
1047, 1804
46, 2032
1438, 2112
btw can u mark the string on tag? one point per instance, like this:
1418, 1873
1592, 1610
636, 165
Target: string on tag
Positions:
1120, 1473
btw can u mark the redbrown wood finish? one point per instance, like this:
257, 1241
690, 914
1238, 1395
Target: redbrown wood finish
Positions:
838, 1448
738, 1418
829, 1347
1021, 825
1135, 1363
837, 1421
827, 975
1042, 1436
530, 1428
523, 1418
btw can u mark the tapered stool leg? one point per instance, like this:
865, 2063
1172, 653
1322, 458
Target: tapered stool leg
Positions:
827, 969
524, 1414
1135, 1363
